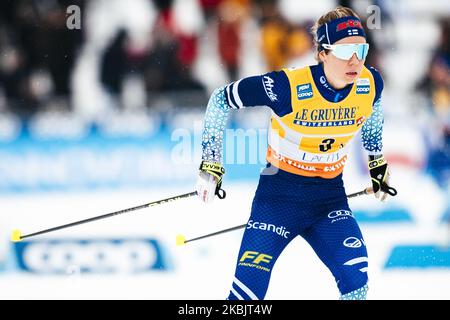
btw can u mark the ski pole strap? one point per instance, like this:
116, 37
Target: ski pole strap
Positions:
213, 168
379, 174
377, 163
216, 170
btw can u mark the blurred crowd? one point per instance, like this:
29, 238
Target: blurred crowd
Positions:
161, 43
128, 54
37, 53
436, 87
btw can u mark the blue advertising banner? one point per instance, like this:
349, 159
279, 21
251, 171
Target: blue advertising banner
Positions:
90, 256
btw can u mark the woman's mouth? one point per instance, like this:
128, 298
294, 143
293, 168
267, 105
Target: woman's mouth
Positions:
351, 74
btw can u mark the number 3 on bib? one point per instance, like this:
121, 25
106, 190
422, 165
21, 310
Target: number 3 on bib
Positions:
326, 144
322, 144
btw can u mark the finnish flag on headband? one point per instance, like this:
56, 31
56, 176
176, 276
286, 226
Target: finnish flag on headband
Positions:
338, 29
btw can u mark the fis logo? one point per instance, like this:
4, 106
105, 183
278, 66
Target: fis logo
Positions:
362, 86
268, 84
304, 91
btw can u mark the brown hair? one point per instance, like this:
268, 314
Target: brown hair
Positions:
339, 12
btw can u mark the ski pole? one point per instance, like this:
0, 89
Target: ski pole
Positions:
181, 240
17, 236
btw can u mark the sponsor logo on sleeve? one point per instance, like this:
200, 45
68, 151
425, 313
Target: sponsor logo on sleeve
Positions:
268, 84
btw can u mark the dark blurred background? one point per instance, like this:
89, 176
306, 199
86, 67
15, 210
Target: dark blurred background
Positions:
111, 113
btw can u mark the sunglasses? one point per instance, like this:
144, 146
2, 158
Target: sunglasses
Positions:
346, 51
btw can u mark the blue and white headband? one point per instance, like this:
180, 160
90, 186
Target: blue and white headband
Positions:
338, 29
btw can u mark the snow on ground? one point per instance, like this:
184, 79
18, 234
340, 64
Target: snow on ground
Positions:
204, 269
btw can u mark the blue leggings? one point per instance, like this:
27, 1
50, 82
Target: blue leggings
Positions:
286, 205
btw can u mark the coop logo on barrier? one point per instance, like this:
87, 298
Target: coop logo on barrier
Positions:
90, 256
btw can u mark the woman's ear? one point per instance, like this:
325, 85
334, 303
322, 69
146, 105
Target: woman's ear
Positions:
322, 56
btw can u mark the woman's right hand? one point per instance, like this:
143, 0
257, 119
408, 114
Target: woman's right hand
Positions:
209, 181
206, 187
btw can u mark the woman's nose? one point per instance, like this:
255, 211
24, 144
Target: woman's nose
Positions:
353, 60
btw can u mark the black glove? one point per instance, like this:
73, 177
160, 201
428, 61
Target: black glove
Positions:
379, 173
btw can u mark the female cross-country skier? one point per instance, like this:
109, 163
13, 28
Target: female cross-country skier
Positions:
315, 112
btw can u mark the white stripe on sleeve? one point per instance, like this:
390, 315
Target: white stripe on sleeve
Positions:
236, 95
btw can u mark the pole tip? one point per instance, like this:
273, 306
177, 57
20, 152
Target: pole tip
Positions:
16, 236
181, 240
